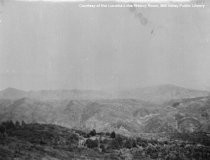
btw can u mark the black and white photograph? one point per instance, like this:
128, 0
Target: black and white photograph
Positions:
104, 80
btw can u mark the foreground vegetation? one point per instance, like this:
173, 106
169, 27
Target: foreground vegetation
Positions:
22, 141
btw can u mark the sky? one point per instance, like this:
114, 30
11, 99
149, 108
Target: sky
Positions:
46, 45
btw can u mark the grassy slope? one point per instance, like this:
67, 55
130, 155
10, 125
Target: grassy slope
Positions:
51, 142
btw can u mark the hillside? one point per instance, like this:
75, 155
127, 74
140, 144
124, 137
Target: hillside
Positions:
52, 142
124, 116
100, 114
12, 93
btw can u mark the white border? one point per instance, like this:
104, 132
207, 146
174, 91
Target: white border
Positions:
137, 1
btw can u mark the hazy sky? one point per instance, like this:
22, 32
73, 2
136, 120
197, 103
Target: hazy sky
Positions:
47, 45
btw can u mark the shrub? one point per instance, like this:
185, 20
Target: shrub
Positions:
107, 134
103, 149
91, 143
115, 144
128, 144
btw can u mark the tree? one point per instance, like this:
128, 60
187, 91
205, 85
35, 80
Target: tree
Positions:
92, 133
10, 125
23, 123
2, 129
17, 124
113, 135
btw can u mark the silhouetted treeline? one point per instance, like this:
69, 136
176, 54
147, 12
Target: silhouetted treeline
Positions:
8, 125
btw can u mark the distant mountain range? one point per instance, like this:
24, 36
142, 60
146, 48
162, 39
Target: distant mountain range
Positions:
165, 108
12, 93
162, 93
156, 94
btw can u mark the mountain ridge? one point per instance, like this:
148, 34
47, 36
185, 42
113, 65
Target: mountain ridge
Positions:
157, 93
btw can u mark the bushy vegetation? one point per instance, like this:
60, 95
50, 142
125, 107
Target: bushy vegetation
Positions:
37, 141
92, 133
92, 143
